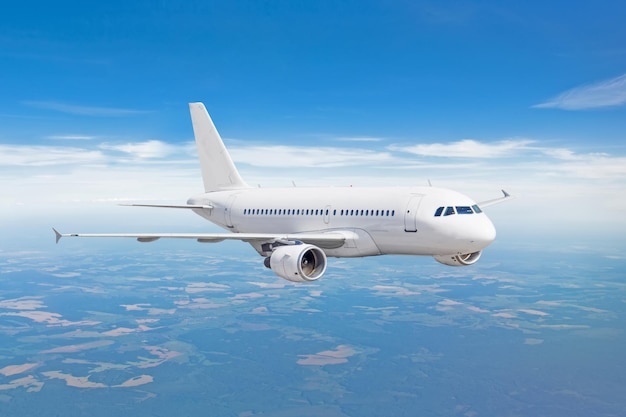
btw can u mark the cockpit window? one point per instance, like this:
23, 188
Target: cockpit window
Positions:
464, 210
449, 211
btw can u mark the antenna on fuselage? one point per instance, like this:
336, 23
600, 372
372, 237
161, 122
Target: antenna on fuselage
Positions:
429, 183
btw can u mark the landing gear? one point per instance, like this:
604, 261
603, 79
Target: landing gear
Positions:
266, 262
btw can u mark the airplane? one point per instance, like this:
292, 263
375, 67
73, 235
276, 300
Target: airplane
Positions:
296, 228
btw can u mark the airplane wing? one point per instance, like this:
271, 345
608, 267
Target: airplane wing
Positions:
327, 240
499, 200
180, 206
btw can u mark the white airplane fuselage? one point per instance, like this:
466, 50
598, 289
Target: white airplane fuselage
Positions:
397, 220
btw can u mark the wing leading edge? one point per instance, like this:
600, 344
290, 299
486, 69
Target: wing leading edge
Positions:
324, 240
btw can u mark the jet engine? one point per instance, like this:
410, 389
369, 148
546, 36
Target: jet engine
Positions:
459, 260
297, 263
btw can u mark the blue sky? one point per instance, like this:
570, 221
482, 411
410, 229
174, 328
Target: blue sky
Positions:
473, 95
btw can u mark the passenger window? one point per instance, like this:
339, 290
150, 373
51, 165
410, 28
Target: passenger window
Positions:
464, 210
476, 208
449, 211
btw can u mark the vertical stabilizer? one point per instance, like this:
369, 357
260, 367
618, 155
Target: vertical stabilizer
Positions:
218, 170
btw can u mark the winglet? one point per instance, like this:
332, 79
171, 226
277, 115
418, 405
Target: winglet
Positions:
506, 196
58, 234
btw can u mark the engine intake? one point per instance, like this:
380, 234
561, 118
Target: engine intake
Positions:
458, 260
298, 263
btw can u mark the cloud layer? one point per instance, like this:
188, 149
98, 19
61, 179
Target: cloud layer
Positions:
469, 148
589, 184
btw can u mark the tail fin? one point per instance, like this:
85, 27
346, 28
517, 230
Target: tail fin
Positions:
218, 170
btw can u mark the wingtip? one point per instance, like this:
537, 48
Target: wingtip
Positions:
57, 234
506, 194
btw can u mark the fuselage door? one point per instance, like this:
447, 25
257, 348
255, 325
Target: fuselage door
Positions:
227, 210
410, 214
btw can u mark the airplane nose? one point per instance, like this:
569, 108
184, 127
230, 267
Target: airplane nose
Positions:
484, 233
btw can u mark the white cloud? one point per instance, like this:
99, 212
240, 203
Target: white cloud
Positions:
607, 93
594, 166
468, 148
561, 153
84, 110
280, 156
70, 137
144, 150
41, 155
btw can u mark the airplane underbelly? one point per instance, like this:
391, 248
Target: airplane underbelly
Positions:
363, 245
404, 244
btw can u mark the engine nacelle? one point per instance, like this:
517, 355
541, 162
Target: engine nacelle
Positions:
459, 260
298, 263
